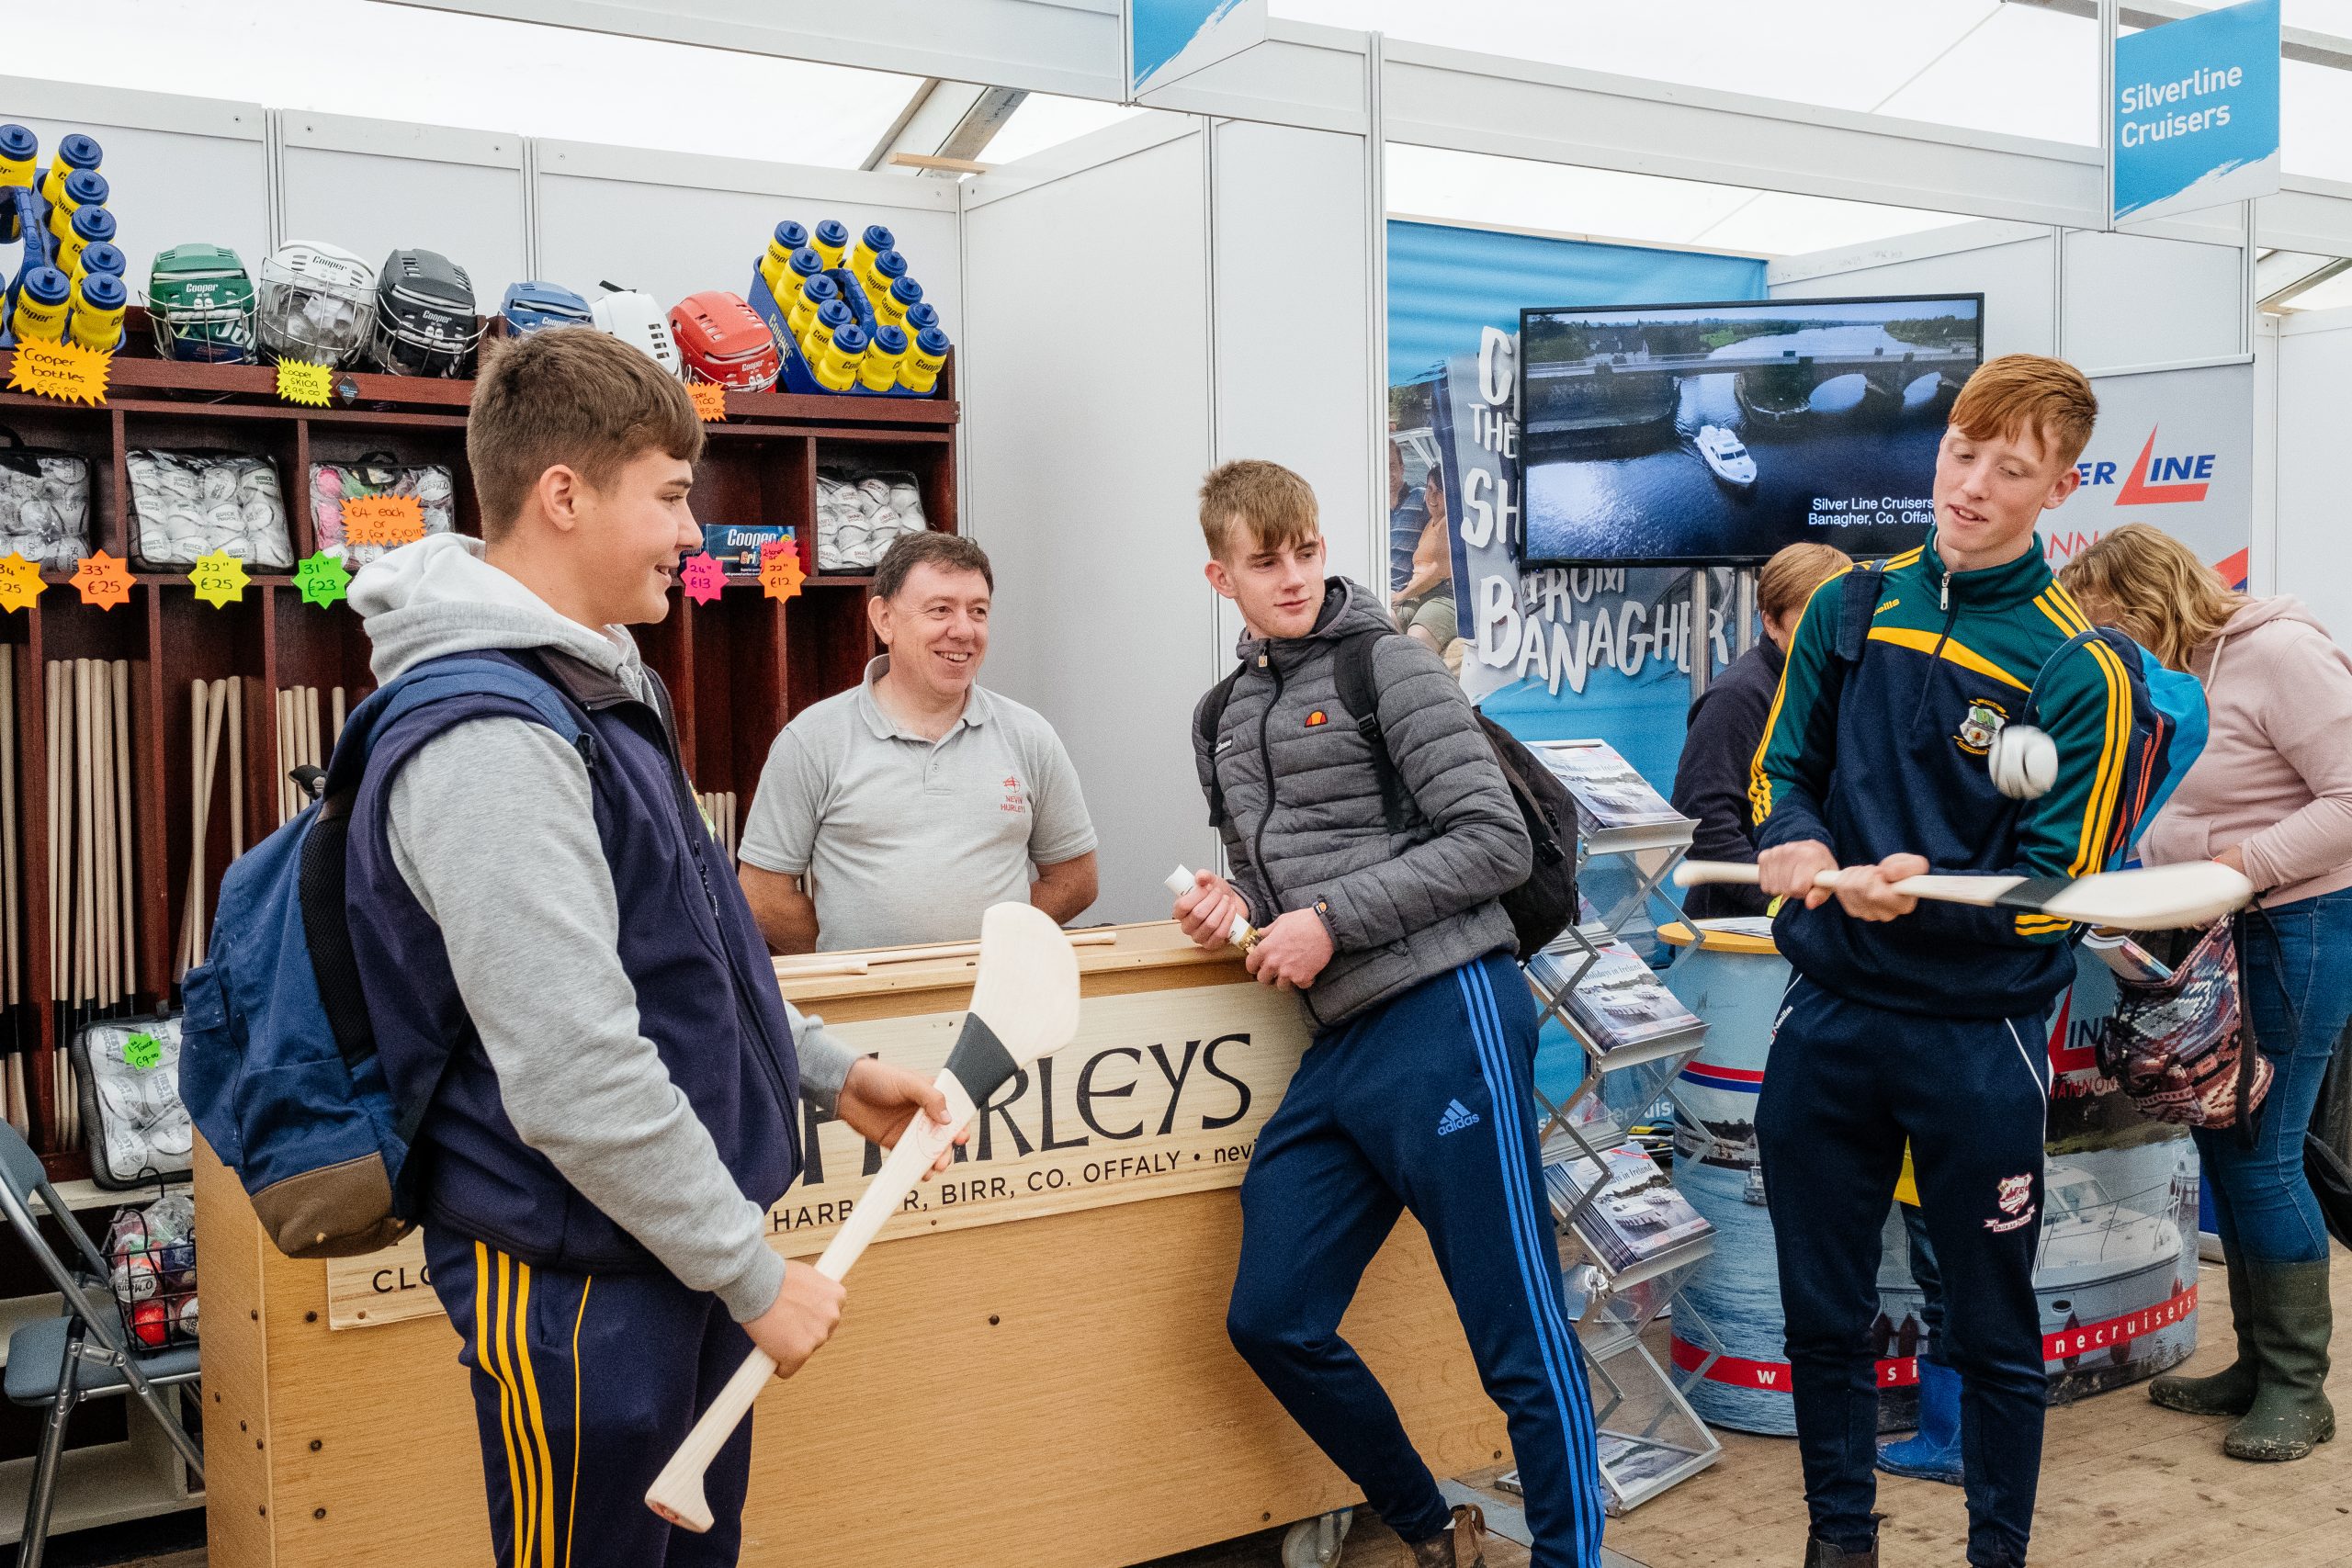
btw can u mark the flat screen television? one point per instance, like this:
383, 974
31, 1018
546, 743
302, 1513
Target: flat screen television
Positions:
1691, 434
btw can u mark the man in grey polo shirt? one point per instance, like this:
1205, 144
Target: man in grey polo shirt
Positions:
897, 812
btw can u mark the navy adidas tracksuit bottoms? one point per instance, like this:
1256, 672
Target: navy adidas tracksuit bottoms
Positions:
1424, 1104
584, 1387
1849, 1082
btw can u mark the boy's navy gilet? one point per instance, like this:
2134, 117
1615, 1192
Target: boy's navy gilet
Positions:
279, 1103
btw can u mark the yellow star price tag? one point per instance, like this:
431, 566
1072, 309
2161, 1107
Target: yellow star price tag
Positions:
300, 381
219, 579
65, 371
21, 581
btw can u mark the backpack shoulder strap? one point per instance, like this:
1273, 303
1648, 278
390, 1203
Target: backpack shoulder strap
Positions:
1206, 725
1351, 672
457, 676
1857, 602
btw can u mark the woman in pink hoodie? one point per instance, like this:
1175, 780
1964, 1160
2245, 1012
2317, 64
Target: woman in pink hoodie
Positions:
2270, 795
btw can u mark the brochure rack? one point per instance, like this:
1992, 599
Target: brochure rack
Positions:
1650, 1438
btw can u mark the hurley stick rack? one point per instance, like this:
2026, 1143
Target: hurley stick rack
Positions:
215, 704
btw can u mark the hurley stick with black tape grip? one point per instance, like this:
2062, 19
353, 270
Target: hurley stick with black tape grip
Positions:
1025, 1006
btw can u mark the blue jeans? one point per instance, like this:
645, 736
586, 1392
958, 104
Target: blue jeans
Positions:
2296, 964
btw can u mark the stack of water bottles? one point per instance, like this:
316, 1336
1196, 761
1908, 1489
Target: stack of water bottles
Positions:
68, 284
847, 313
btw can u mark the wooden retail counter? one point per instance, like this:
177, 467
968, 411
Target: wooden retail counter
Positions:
1069, 1281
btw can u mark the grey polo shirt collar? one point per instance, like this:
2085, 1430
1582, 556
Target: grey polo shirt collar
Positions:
877, 718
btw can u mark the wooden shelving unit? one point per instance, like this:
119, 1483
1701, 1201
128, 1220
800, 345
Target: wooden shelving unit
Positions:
736, 668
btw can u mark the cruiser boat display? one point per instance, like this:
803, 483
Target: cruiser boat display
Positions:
1726, 457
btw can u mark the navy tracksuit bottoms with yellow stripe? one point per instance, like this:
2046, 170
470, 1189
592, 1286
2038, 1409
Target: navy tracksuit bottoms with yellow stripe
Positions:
1424, 1104
584, 1386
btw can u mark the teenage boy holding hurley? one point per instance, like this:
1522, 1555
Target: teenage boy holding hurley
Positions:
618, 1110
1415, 1093
1925, 1019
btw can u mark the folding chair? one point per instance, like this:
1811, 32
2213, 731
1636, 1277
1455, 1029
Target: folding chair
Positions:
82, 1354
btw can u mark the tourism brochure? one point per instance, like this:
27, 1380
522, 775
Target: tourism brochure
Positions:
1609, 793
1618, 1001
1637, 1216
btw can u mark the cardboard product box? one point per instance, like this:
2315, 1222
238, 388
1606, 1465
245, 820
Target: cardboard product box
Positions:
736, 545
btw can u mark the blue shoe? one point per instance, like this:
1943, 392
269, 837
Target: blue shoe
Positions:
1934, 1454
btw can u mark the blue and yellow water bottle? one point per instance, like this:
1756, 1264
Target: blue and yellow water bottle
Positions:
828, 239
97, 320
835, 315
883, 276
789, 237
19, 154
84, 187
892, 309
873, 243
837, 367
814, 295
104, 256
921, 318
75, 153
91, 226
43, 298
878, 371
925, 361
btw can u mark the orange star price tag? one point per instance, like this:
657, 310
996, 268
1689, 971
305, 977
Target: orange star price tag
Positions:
710, 399
382, 520
104, 580
65, 371
21, 581
780, 573
300, 381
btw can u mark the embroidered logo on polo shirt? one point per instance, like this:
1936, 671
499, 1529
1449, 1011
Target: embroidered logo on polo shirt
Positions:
1013, 799
1318, 716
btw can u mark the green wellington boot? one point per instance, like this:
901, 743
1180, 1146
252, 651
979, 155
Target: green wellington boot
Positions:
2229, 1391
2291, 1414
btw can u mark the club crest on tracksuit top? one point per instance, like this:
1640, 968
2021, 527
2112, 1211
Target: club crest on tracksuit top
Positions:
1888, 755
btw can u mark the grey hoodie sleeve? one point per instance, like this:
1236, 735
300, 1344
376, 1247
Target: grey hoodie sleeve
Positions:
515, 878
1480, 849
825, 1059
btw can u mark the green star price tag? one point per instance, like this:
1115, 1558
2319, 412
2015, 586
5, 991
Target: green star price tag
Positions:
142, 1051
323, 579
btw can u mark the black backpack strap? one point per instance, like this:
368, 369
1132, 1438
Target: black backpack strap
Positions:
1857, 606
1211, 716
1351, 672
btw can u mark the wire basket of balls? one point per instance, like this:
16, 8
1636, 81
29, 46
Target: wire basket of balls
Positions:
150, 1261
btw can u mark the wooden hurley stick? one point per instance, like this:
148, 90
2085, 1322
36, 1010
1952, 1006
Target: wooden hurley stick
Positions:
86, 874
10, 932
236, 766
183, 959
54, 691
127, 902
285, 755
794, 966
316, 757
338, 721
102, 831
204, 752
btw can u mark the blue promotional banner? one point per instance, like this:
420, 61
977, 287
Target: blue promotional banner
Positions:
2194, 120
1552, 652
1173, 39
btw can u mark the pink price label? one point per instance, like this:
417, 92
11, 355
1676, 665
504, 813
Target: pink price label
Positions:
703, 578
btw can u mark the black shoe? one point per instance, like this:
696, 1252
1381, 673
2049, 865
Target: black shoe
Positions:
1820, 1553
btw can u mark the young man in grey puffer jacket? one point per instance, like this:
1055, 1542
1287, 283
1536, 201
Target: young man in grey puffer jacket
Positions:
1415, 1092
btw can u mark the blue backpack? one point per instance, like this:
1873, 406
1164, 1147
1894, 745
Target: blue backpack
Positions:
278, 1057
2168, 710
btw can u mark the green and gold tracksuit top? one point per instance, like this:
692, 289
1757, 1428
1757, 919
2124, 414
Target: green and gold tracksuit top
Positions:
1887, 754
